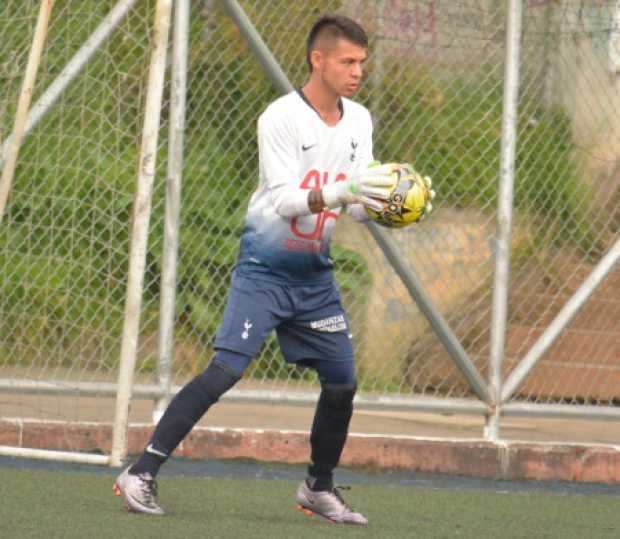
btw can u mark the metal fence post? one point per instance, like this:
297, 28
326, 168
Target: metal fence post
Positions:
255, 42
172, 219
504, 214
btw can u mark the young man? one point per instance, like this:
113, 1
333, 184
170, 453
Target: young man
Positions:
314, 148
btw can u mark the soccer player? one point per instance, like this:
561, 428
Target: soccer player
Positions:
315, 145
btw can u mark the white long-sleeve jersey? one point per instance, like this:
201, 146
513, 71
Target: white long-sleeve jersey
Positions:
282, 240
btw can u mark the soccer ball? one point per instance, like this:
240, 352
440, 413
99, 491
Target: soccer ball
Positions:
409, 198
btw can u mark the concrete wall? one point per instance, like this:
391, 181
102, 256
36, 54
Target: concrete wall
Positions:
452, 255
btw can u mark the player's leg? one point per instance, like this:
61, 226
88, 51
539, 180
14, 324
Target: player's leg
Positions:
317, 493
248, 317
137, 482
331, 420
321, 332
188, 406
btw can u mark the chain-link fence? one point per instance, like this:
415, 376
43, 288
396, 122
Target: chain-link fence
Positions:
434, 84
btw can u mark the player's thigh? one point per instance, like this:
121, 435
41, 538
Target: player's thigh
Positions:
253, 309
334, 371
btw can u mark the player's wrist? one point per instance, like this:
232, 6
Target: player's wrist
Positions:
336, 194
315, 201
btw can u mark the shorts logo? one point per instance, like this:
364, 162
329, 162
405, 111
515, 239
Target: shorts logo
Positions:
331, 324
246, 332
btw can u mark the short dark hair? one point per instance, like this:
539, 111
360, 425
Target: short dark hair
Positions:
336, 27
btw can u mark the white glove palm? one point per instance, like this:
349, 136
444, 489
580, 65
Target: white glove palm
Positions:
368, 187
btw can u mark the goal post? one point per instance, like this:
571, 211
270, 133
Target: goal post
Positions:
25, 96
57, 456
8, 171
25, 386
140, 229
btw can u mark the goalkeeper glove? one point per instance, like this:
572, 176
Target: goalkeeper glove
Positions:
428, 208
364, 188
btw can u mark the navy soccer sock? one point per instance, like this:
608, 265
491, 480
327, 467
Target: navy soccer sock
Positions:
329, 433
183, 412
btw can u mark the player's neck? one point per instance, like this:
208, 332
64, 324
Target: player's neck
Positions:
326, 103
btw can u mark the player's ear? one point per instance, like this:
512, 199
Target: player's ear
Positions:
316, 59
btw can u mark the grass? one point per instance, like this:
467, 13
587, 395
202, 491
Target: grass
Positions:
43, 503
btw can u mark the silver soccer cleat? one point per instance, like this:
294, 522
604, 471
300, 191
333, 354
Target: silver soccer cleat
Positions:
139, 492
328, 504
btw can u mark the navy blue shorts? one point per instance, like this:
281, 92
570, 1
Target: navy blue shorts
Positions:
309, 320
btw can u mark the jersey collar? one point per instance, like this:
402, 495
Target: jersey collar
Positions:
303, 96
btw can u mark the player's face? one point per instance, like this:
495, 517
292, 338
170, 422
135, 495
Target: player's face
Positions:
341, 67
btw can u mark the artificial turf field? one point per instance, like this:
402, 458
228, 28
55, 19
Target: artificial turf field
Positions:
207, 501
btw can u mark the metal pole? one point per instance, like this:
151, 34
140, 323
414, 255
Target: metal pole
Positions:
256, 43
167, 310
561, 321
437, 321
23, 104
378, 73
141, 217
49, 454
274, 395
561, 411
73, 389
411, 281
73, 68
504, 214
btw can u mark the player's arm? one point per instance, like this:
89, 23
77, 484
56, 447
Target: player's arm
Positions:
279, 163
